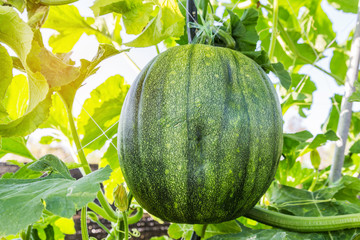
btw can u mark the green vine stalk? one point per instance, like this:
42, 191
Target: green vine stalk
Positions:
304, 224
274, 30
84, 231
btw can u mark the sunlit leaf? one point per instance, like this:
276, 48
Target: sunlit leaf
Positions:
18, 4
355, 148
331, 122
70, 25
51, 163
6, 76
15, 145
345, 5
355, 97
104, 107
182, 231
58, 118
66, 225
17, 97
218, 229
137, 19
29, 122
320, 140
243, 30
101, 7
116, 178
338, 64
169, 22
111, 156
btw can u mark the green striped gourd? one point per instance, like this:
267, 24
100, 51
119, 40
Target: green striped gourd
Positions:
200, 135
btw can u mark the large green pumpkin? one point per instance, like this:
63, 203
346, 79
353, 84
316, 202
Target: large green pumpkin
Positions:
200, 135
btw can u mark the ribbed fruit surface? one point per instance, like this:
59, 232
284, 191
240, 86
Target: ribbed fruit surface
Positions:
200, 135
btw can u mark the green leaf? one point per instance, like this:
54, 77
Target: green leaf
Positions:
301, 202
345, 5
282, 74
111, 155
17, 34
26, 124
183, 231
72, 26
161, 238
347, 188
87, 68
320, 140
137, 19
104, 107
168, 22
18, 4
17, 97
58, 118
15, 145
291, 173
355, 148
331, 122
355, 97
338, 64
243, 30
23, 173
21, 200
51, 163
218, 229
54, 69
101, 7
299, 136
6, 76
29, 47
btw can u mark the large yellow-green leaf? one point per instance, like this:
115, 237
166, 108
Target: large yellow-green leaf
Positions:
102, 7
15, 145
137, 19
70, 25
17, 97
104, 107
58, 118
6, 76
345, 5
169, 22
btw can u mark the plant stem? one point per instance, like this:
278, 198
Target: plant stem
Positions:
157, 49
75, 136
126, 225
304, 224
274, 30
104, 203
84, 231
203, 231
104, 227
28, 232
100, 211
314, 181
56, 2
346, 105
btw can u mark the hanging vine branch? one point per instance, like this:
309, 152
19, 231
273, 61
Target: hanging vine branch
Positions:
346, 105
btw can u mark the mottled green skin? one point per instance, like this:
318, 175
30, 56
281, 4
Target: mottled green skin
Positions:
200, 135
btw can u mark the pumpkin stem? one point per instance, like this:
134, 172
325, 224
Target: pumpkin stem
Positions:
191, 17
